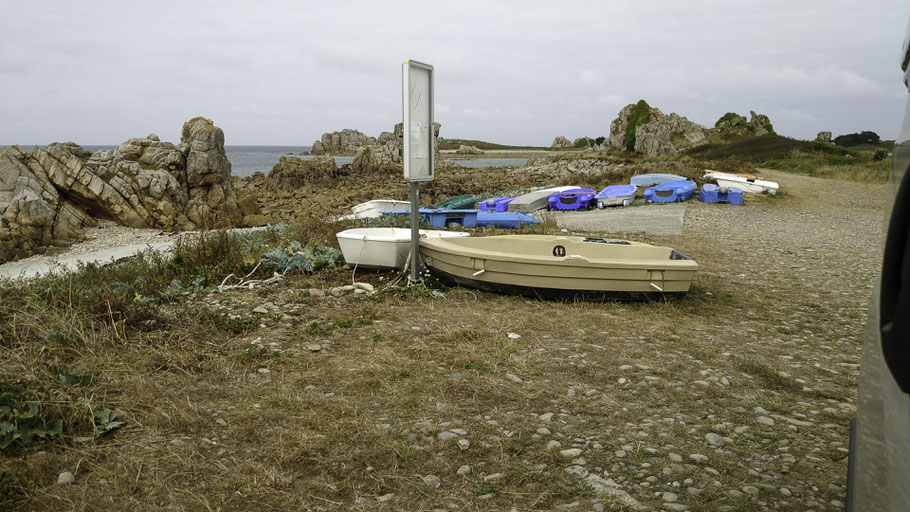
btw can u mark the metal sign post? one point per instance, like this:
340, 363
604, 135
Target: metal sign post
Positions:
418, 157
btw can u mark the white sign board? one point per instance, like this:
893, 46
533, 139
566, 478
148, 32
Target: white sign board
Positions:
417, 107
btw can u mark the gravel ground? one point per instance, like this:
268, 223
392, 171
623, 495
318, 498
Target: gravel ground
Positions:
737, 397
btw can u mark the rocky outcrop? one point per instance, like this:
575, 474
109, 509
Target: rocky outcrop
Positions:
561, 142
468, 150
668, 135
291, 171
48, 195
583, 143
386, 153
824, 137
760, 124
732, 125
346, 142
647, 130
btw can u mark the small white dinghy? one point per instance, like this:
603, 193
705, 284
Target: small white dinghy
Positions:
382, 247
372, 209
744, 182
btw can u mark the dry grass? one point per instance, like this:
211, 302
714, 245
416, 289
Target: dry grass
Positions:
227, 409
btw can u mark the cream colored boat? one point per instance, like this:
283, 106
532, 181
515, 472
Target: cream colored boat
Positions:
562, 266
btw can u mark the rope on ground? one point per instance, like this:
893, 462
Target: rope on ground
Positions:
251, 283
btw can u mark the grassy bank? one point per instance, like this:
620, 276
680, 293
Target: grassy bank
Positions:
804, 157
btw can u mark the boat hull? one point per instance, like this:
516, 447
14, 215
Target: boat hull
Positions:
495, 204
373, 209
381, 247
712, 194
647, 180
574, 199
616, 195
750, 185
670, 192
536, 200
535, 265
505, 219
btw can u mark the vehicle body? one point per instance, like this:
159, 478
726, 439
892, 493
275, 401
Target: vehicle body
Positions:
879, 466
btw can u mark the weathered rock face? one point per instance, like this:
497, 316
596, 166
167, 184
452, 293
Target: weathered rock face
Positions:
823, 137
33, 215
732, 125
622, 136
660, 135
295, 172
760, 124
668, 135
583, 142
48, 195
387, 152
561, 142
732, 120
345, 142
468, 150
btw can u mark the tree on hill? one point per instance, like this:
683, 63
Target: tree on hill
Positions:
856, 139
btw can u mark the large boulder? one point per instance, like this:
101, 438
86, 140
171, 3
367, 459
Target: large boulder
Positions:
644, 129
345, 142
386, 153
291, 171
49, 195
33, 215
732, 125
760, 124
824, 137
468, 150
623, 128
203, 144
668, 135
561, 142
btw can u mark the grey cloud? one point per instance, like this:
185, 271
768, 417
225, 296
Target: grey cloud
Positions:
511, 72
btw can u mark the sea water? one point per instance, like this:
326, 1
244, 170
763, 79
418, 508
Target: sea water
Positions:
245, 160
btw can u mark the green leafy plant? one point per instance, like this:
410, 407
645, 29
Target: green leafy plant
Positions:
176, 289
105, 421
25, 426
309, 258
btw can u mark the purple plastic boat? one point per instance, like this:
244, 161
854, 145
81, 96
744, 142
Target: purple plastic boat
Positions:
670, 192
495, 204
572, 199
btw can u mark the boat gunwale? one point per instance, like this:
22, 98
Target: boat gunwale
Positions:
566, 261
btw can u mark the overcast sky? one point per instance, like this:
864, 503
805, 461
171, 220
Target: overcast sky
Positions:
282, 73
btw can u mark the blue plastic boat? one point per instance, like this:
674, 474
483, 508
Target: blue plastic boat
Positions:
572, 199
710, 193
442, 217
505, 219
495, 204
616, 195
670, 192
647, 180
